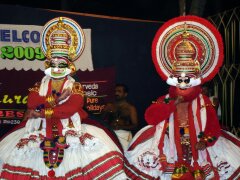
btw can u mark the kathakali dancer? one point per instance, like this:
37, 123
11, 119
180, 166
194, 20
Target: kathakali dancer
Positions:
183, 139
55, 143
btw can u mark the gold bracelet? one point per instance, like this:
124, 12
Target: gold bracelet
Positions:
48, 113
51, 100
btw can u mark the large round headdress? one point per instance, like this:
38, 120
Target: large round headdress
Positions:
62, 37
190, 45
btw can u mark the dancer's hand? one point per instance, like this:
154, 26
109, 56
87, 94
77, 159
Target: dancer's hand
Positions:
32, 114
201, 145
64, 95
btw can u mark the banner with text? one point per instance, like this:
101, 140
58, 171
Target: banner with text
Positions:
20, 48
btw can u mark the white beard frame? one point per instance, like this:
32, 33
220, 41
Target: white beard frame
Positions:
49, 70
173, 81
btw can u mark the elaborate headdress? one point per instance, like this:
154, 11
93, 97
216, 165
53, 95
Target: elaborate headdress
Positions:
62, 38
187, 46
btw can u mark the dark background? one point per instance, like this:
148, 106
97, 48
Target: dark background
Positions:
158, 10
121, 43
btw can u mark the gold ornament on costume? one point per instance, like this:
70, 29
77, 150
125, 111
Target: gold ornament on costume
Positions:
77, 89
72, 50
51, 100
60, 23
47, 64
179, 172
72, 67
198, 174
48, 54
48, 113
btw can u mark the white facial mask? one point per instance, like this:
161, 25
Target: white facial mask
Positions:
49, 71
173, 81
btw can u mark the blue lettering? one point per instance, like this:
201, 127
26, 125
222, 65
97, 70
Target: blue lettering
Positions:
14, 36
35, 36
24, 36
5, 35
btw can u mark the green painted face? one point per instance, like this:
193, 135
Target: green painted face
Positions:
57, 72
58, 68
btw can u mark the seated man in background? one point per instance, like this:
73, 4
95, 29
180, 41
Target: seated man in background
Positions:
121, 115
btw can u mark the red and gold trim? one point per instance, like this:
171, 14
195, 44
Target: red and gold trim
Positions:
107, 166
134, 173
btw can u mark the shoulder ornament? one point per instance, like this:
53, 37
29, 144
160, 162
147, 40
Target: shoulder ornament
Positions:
77, 89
